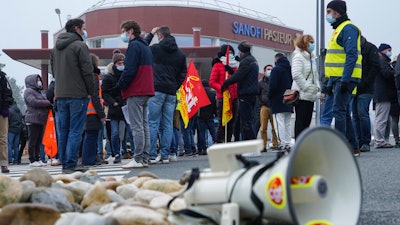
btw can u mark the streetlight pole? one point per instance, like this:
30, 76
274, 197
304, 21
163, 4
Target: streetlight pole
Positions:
58, 12
320, 28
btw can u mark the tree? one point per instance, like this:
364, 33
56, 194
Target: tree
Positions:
17, 93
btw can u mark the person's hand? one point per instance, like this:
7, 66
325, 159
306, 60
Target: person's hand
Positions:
224, 86
229, 69
154, 30
343, 87
115, 104
5, 112
103, 120
237, 58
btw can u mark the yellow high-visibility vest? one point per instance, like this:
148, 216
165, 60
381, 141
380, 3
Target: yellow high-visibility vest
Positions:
336, 56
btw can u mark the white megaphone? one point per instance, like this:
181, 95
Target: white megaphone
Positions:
317, 183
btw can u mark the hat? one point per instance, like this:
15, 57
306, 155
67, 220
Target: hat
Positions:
338, 5
224, 47
118, 57
244, 48
383, 47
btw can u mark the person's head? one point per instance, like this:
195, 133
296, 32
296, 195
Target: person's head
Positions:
334, 10
76, 26
305, 43
39, 82
224, 47
95, 60
130, 29
244, 47
163, 32
118, 61
278, 56
385, 49
267, 70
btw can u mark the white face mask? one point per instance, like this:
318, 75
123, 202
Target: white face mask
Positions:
268, 73
39, 84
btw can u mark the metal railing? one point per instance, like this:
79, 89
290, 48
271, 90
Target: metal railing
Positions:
205, 4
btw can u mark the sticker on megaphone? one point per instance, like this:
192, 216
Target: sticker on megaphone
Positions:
319, 222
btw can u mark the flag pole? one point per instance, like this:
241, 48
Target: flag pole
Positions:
226, 77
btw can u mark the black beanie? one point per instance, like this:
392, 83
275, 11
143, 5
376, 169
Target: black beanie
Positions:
383, 47
338, 5
222, 51
243, 48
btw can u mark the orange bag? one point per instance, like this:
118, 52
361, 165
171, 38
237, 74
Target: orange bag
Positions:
49, 137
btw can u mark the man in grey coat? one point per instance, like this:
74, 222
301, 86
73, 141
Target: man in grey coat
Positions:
73, 72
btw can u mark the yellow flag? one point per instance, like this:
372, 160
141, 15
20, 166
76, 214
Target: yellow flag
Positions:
226, 108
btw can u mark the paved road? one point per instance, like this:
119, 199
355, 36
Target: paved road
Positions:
379, 171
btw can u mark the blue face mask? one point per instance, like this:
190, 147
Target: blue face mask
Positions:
311, 47
84, 35
389, 54
268, 73
120, 68
330, 19
124, 37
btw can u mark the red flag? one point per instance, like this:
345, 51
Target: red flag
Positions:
192, 95
49, 137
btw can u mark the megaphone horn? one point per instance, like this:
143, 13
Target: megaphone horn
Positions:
318, 183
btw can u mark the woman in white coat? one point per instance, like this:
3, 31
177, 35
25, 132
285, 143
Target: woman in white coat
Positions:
305, 80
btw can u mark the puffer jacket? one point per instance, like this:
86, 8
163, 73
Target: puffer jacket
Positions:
217, 78
37, 105
305, 75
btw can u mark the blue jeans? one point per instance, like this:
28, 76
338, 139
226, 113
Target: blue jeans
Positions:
361, 119
326, 114
115, 137
100, 141
161, 114
202, 135
130, 135
246, 115
341, 105
188, 137
13, 143
90, 147
174, 143
71, 118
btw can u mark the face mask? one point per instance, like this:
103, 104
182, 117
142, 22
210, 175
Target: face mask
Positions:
84, 35
124, 37
389, 54
311, 47
268, 73
330, 19
231, 56
39, 84
120, 68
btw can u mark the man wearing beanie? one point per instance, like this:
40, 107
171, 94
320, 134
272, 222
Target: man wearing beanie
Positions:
384, 94
343, 67
113, 98
246, 78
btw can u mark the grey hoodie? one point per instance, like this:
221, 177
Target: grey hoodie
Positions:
71, 67
37, 105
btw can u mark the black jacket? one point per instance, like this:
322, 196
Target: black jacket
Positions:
279, 81
93, 121
208, 112
15, 124
263, 88
246, 76
370, 67
112, 94
6, 98
385, 88
169, 65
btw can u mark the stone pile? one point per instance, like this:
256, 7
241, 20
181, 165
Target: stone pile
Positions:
86, 198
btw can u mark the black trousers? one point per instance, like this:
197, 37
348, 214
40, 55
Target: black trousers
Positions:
304, 110
35, 136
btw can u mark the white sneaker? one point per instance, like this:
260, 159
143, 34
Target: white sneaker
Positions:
35, 164
132, 165
55, 162
157, 160
42, 163
165, 161
173, 158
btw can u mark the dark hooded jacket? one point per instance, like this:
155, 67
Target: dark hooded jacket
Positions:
370, 67
385, 86
37, 105
279, 81
6, 98
169, 65
112, 94
71, 67
15, 124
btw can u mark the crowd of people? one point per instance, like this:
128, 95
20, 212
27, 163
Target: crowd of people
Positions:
135, 101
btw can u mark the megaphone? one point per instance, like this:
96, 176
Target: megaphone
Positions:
317, 183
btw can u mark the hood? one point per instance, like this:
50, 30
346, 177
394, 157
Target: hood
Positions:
30, 81
283, 62
66, 39
232, 61
169, 44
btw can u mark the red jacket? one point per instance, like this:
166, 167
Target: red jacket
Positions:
217, 78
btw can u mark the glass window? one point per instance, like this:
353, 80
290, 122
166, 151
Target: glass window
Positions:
111, 42
184, 41
96, 43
